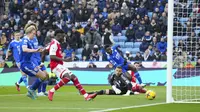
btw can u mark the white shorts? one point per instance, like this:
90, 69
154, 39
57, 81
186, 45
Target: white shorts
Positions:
60, 70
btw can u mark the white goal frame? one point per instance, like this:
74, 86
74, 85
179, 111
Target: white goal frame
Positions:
169, 74
170, 50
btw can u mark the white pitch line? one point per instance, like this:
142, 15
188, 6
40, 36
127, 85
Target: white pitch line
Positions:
48, 108
121, 108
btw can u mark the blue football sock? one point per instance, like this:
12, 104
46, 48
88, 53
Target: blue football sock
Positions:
44, 85
137, 75
36, 84
24, 78
20, 80
40, 88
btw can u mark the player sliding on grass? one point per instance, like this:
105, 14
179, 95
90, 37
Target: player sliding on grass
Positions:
121, 85
56, 64
116, 59
14, 47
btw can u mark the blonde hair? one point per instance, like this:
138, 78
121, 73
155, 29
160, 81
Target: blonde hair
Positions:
30, 24
29, 29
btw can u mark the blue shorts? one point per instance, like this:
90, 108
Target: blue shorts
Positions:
29, 68
37, 63
125, 67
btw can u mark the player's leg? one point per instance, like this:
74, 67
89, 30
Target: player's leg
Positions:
138, 88
33, 71
66, 76
43, 85
41, 77
104, 92
77, 84
134, 73
22, 79
40, 93
60, 72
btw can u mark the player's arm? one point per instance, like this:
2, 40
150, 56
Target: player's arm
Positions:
129, 85
44, 53
115, 47
111, 81
26, 49
52, 53
113, 62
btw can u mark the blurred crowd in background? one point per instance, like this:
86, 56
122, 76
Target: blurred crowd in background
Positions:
138, 26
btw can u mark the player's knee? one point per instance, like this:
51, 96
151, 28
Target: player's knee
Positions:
42, 75
72, 76
131, 67
66, 75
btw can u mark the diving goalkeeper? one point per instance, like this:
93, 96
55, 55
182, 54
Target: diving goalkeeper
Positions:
121, 85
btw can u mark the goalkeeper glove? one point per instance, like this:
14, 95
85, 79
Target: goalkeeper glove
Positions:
127, 93
117, 91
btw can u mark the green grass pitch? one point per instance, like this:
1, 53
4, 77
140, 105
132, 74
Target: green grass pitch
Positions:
67, 99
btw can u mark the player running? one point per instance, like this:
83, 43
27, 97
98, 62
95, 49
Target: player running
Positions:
121, 85
36, 59
26, 63
116, 59
14, 47
56, 64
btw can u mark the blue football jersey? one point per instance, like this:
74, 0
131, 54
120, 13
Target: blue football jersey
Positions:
115, 58
14, 47
26, 56
36, 55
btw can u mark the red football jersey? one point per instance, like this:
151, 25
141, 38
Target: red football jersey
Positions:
55, 49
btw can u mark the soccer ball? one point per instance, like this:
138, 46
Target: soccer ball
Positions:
150, 95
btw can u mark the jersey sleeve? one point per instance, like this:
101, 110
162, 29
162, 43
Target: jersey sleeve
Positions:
128, 83
53, 49
24, 43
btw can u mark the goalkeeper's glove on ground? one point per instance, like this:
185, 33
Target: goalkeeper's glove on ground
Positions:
117, 91
127, 93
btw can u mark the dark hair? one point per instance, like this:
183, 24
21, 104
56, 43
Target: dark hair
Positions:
136, 63
120, 67
58, 31
106, 46
17, 31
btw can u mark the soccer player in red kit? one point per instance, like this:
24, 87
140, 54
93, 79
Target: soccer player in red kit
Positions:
56, 64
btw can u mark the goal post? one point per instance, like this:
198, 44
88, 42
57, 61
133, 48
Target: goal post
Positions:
170, 50
183, 52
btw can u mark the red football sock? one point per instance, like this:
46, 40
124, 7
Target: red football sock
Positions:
142, 90
62, 82
79, 86
133, 77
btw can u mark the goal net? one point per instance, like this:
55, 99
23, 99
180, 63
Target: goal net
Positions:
186, 46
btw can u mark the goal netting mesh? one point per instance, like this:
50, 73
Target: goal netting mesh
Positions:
186, 74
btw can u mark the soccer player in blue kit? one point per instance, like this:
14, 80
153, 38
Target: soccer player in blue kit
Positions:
27, 64
116, 59
14, 47
36, 58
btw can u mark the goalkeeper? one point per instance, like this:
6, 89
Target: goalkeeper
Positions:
120, 84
